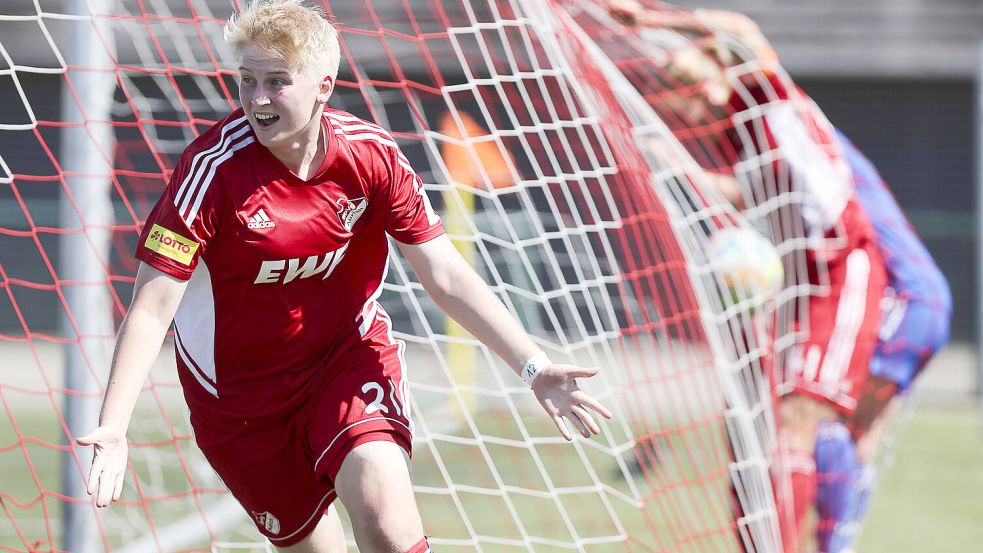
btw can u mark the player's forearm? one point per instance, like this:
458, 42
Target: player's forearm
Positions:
156, 297
137, 346
461, 293
465, 297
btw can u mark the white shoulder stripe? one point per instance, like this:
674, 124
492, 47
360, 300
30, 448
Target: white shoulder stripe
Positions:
405, 164
361, 125
203, 187
348, 122
194, 178
400, 158
367, 136
221, 144
374, 128
342, 117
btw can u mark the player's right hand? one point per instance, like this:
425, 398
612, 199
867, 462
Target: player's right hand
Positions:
109, 456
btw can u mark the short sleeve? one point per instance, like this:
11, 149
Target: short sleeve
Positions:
410, 219
179, 227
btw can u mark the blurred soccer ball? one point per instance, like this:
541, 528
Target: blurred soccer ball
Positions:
746, 262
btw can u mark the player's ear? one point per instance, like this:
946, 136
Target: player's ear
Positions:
325, 88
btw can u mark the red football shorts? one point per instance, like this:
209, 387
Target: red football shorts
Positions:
282, 469
833, 362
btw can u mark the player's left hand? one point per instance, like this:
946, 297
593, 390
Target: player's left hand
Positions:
557, 391
109, 456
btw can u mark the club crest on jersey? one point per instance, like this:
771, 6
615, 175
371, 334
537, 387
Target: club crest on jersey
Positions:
268, 521
350, 210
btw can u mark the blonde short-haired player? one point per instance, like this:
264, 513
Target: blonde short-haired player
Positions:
267, 250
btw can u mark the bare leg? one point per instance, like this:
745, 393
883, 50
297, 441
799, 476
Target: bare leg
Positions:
374, 485
327, 537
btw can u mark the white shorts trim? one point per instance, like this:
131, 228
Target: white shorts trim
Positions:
353, 425
317, 511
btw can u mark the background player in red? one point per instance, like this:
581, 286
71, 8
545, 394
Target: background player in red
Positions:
268, 250
915, 319
727, 119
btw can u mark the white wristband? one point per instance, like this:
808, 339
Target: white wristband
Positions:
533, 367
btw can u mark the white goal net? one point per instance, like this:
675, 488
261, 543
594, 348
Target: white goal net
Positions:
571, 197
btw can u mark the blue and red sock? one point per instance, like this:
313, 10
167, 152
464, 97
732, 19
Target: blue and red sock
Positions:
838, 471
845, 531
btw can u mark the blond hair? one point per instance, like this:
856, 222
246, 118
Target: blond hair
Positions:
291, 30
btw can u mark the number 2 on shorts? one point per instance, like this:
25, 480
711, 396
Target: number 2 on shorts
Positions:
380, 395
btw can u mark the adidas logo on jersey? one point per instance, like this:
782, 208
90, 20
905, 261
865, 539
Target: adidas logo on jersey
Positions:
260, 220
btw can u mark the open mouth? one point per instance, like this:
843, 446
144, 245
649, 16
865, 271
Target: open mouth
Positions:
266, 120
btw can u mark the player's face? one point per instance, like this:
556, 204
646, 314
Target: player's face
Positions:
282, 103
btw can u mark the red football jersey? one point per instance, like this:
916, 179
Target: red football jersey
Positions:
279, 267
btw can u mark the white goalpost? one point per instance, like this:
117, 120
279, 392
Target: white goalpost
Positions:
86, 214
979, 217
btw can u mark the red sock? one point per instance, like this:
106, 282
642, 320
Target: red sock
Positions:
804, 486
422, 546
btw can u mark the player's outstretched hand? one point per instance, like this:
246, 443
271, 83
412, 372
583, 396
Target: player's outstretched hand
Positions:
108, 463
557, 391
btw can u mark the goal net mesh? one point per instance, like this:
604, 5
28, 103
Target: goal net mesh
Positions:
576, 203
742, 120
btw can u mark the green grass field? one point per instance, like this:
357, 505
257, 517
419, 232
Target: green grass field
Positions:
928, 500
931, 499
